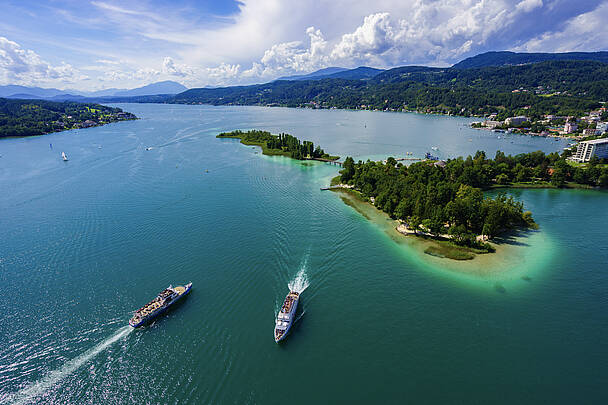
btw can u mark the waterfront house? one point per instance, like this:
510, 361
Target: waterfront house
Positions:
587, 149
492, 124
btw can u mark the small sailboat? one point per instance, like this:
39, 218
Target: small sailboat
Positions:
64, 156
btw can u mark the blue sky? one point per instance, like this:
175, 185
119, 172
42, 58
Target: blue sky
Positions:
91, 45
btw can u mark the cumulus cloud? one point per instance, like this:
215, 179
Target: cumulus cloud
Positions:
175, 69
270, 38
223, 73
373, 38
433, 32
23, 66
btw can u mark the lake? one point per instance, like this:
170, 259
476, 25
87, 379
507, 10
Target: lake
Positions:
87, 241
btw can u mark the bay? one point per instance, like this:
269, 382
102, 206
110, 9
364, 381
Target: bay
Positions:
89, 240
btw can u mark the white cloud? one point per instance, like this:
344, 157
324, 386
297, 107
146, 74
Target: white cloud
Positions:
175, 69
529, 5
24, 66
270, 38
583, 32
373, 38
432, 32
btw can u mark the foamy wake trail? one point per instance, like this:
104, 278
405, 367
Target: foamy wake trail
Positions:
27, 394
300, 281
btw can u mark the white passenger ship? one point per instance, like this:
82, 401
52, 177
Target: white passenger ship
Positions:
285, 318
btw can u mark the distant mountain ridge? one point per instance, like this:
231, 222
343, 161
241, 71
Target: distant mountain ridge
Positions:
359, 73
500, 58
315, 74
24, 92
165, 87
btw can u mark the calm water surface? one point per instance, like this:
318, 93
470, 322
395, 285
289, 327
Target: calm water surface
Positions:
87, 241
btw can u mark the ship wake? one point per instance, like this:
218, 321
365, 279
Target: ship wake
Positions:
38, 388
300, 282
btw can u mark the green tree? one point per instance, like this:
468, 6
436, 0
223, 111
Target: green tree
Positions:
348, 170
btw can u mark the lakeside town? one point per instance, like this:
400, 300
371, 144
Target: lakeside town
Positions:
589, 132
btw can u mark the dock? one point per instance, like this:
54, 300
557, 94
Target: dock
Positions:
331, 162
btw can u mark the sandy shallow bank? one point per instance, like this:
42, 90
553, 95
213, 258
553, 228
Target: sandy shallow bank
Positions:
509, 257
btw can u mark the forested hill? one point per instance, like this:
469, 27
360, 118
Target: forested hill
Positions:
37, 117
554, 87
519, 58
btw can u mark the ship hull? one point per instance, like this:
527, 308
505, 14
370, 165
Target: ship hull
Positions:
162, 310
290, 322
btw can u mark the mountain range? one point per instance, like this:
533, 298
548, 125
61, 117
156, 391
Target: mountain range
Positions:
583, 73
360, 73
14, 91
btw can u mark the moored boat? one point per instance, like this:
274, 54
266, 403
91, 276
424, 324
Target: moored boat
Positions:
285, 318
158, 305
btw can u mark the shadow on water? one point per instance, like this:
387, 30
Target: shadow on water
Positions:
500, 288
514, 237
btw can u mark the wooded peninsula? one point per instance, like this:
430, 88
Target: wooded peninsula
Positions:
37, 117
445, 200
282, 144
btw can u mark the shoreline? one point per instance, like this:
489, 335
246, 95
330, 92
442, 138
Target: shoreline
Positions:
67, 130
430, 251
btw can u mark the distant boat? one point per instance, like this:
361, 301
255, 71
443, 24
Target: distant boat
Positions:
64, 156
285, 318
149, 148
434, 148
51, 145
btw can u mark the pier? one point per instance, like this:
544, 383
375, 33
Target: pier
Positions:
331, 162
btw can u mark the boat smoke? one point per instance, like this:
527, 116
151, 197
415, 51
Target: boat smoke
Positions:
300, 282
32, 391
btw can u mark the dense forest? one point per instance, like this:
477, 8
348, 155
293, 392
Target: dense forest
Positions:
449, 198
281, 144
553, 87
37, 117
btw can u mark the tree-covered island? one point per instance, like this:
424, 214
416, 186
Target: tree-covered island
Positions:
37, 117
281, 144
442, 200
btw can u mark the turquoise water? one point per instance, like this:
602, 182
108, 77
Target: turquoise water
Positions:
87, 241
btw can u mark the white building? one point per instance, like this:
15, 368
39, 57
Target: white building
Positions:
492, 124
602, 127
516, 121
587, 149
570, 127
590, 132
